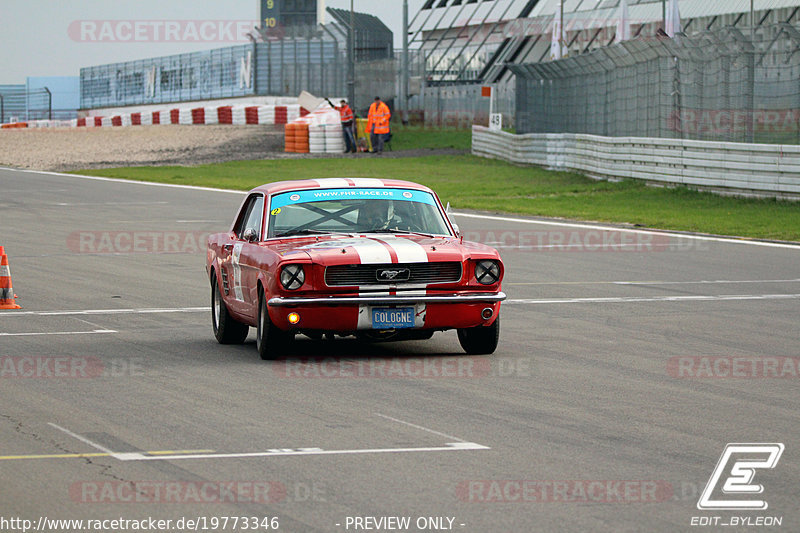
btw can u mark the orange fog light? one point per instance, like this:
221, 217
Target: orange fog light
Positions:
293, 318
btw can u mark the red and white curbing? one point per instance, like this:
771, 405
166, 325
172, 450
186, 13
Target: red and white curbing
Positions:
231, 114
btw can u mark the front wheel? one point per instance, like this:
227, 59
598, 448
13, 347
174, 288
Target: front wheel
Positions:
227, 330
270, 340
480, 340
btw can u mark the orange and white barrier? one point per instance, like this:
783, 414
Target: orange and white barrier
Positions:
7, 296
227, 114
318, 132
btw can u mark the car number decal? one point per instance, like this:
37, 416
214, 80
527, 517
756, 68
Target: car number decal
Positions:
237, 271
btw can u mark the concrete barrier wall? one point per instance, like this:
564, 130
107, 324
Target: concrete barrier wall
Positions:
763, 170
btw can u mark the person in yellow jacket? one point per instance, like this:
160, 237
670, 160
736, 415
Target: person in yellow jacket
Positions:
378, 124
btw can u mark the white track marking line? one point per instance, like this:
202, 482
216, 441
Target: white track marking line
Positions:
450, 447
82, 439
458, 213
445, 435
628, 230
706, 282
700, 282
145, 311
120, 456
721, 298
120, 180
98, 326
94, 332
68, 204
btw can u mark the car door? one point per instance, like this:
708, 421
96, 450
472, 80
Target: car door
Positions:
240, 258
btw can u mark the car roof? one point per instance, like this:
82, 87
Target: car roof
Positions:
336, 183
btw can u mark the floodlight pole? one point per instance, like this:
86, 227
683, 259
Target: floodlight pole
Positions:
664, 15
351, 60
2, 111
404, 67
561, 37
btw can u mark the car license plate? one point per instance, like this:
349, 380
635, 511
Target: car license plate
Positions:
392, 318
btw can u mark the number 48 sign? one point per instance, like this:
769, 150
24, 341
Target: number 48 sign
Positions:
495, 119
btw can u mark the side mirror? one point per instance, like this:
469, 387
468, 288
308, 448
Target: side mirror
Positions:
250, 235
452, 222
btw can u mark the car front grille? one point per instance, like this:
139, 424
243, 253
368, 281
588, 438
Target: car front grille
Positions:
406, 273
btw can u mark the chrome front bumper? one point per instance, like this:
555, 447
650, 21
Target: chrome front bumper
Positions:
493, 297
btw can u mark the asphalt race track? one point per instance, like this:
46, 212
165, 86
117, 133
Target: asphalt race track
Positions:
628, 361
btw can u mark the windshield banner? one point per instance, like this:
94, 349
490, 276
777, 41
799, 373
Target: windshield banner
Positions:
321, 195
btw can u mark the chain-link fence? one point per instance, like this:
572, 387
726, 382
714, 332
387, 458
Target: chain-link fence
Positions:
316, 63
451, 104
723, 85
18, 103
461, 106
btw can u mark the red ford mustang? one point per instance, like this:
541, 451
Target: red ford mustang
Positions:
378, 259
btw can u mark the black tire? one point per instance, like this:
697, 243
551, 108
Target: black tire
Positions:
270, 341
227, 330
480, 340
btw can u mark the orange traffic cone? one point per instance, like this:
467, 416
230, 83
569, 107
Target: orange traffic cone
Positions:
6, 291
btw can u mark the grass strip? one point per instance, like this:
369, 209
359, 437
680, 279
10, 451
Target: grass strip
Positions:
470, 182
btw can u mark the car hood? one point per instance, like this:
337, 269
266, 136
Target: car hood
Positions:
380, 249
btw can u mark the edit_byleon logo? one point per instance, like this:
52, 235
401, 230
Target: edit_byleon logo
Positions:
734, 475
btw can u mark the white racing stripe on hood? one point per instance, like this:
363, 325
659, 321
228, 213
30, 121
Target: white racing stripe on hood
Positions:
407, 250
371, 252
367, 182
337, 183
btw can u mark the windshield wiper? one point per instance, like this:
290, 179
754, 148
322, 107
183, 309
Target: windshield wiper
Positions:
391, 230
305, 231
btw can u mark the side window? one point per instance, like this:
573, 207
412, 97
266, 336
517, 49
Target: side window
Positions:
251, 217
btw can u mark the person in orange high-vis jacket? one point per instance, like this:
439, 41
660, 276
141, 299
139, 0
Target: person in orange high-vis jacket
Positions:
347, 126
378, 124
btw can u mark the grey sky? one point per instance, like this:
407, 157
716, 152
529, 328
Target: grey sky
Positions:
43, 37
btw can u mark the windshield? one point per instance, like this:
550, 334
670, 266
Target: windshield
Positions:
355, 210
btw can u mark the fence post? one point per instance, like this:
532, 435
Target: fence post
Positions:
49, 104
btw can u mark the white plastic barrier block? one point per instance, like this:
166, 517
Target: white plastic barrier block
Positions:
147, 118
106, 122
212, 116
293, 112
266, 114
185, 116
239, 117
126, 119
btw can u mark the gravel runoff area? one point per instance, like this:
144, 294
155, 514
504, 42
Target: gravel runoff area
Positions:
65, 149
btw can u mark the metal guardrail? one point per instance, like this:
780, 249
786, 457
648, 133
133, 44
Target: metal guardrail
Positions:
724, 85
759, 170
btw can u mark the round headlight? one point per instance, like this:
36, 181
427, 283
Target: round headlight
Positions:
292, 277
487, 272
